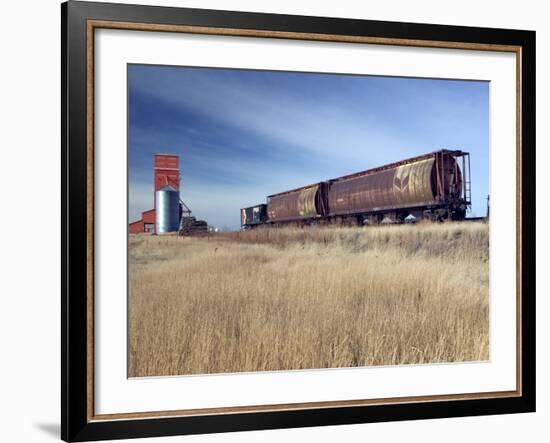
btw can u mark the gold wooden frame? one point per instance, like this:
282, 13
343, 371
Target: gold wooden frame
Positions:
92, 25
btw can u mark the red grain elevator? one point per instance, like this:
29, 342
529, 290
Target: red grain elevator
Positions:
166, 169
166, 172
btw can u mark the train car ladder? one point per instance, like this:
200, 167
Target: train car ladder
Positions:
468, 183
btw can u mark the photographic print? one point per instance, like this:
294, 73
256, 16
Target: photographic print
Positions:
296, 220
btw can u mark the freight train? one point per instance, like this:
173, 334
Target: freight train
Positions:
434, 186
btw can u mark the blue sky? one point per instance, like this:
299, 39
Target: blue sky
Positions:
244, 134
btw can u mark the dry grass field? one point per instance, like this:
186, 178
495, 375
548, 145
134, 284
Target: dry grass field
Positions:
286, 299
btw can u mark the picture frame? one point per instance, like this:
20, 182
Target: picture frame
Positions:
80, 21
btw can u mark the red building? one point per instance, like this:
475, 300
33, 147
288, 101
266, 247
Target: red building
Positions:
145, 224
166, 169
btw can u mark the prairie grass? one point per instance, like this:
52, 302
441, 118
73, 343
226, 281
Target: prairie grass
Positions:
287, 299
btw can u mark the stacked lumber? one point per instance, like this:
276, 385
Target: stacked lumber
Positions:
191, 226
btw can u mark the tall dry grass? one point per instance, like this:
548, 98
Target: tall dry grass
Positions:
308, 298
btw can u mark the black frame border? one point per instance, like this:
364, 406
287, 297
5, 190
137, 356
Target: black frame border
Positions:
74, 420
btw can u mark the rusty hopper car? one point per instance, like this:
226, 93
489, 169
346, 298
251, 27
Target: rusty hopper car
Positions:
299, 204
433, 186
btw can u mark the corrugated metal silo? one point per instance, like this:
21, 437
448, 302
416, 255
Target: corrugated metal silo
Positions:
168, 211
